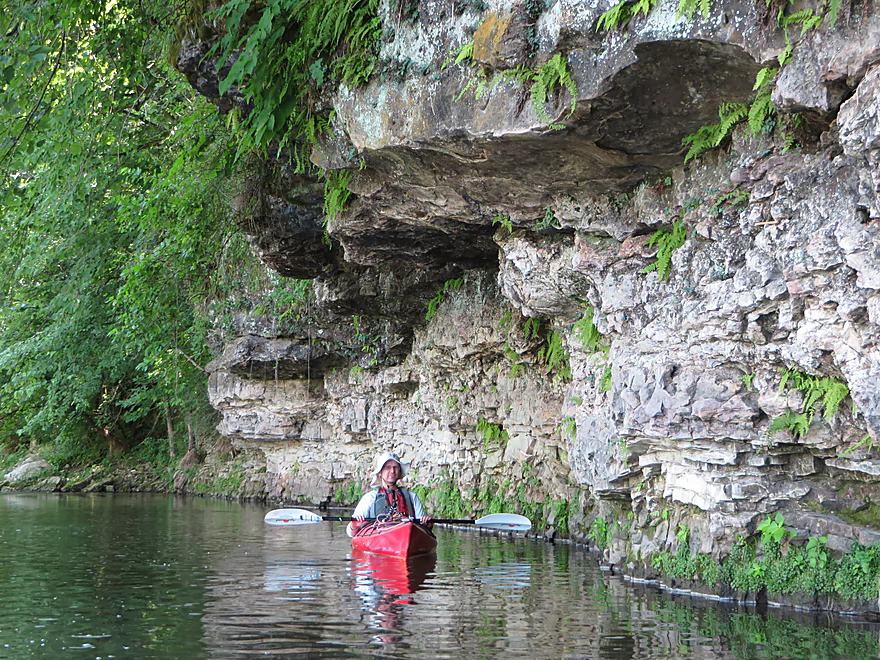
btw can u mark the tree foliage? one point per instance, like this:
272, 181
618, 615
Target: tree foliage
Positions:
283, 53
114, 229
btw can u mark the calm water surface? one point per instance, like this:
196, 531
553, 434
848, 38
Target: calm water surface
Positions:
119, 576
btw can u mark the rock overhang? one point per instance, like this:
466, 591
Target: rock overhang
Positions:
430, 157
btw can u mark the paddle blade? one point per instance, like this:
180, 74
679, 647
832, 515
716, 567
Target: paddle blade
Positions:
292, 517
505, 521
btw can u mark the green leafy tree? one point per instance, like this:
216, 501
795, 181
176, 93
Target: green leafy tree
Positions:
113, 228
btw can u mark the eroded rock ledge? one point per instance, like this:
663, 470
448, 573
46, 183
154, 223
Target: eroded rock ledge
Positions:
780, 269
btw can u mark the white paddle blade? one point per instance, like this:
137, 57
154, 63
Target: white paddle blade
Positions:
505, 521
291, 517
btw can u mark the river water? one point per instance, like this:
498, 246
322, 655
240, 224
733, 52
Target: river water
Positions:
152, 576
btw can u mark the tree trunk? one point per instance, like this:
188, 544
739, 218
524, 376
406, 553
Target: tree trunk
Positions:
169, 424
192, 436
114, 445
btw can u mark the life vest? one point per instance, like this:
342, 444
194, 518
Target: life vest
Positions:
389, 502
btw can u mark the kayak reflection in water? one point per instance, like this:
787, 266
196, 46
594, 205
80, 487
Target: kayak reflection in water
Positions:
386, 586
386, 498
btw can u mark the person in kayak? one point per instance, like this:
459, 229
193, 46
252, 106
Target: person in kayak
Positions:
386, 498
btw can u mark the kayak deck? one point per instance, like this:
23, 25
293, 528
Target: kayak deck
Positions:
400, 538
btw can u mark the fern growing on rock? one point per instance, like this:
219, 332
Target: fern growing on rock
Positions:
550, 75
554, 356
667, 242
585, 329
491, 433
436, 301
825, 393
289, 51
712, 135
543, 82
619, 16
336, 193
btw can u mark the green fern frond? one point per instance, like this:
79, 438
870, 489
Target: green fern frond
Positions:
605, 381
797, 423
711, 136
481, 86
866, 440
513, 356
765, 77
466, 52
808, 20
336, 193
531, 328
760, 110
617, 17
585, 330
491, 433
688, 7
437, 300
472, 82
731, 114
834, 394
785, 56
826, 392
504, 220
550, 75
667, 242
555, 357
643, 7
833, 11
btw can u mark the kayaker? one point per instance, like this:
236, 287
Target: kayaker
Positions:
386, 497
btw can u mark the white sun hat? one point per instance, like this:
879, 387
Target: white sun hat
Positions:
381, 459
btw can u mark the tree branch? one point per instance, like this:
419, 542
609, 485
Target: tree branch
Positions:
33, 111
192, 362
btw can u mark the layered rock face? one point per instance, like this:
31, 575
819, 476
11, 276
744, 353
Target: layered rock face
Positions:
522, 231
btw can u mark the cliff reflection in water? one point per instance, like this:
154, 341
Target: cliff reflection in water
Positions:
158, 577
485, 596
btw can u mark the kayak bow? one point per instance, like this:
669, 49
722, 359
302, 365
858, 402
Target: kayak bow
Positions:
400, 538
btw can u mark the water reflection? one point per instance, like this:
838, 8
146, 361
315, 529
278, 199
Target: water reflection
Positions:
507, 575
297, 580
386, 586
160, 577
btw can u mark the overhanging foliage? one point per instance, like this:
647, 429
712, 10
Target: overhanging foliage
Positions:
114, 224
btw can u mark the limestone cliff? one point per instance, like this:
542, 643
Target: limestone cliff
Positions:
527, 223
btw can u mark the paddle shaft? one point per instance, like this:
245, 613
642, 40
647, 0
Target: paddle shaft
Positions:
499, 521
444, 521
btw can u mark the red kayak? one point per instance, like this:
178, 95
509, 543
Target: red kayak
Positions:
404, 538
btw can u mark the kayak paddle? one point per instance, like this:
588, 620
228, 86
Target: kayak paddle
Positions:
502, 521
